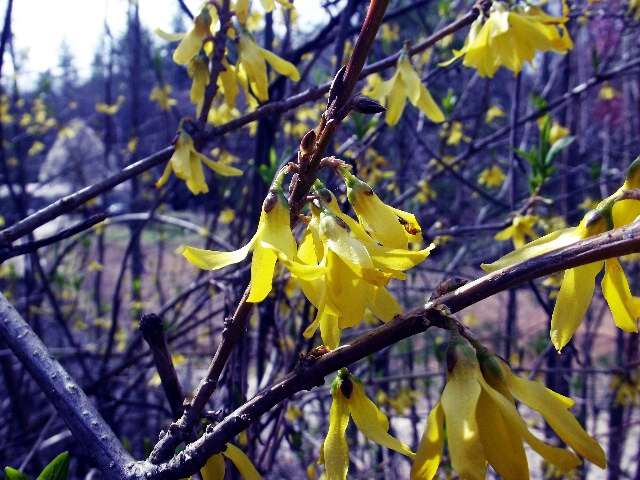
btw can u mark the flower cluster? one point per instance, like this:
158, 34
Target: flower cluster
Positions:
578, 284
483, 426
248, 74
510, 38
343, 265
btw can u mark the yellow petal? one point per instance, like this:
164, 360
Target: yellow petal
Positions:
541, 399
502, 445
622, 304
188, 47
384, 306
280, 65
214, 468
561, 458
221, 168
165, 175
399, 259
329, 329
429, 451
548, 243
372, 422
275, 228
336, 450
576, 292
263, 264
242, 462
427, 105
214, 260
459, 401
396, 101
169, 37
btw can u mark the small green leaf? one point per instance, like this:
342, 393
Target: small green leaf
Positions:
58, 468
557, 147
14, 474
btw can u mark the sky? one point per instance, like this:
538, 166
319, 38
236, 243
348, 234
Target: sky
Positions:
40, 26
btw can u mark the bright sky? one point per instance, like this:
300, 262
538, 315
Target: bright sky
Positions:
40, 26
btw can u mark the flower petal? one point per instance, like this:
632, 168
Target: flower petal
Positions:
214, 260
214, 468
459, 402
429, 453
576, 292
372, 422
242, 462
615, 288
335, 448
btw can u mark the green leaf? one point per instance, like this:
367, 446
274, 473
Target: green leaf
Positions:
14, 474
58, 468
557, 147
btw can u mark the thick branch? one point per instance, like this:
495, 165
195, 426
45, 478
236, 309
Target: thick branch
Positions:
86, 424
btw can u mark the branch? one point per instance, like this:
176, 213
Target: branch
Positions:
86, 424
310, 373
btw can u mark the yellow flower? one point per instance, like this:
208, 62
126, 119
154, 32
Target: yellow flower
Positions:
578, 284
214, 469
390, 33
511, 38
493, 113
191, 42
406, 84
253, 63
483, 425
556, 132
110, 109
350, 401
241, 7
607, 92
492, 177
391, 227
161, 94
227, 216
520, 228
425, 192
186, 162
355, 270
36, 148
456, 134
273, 238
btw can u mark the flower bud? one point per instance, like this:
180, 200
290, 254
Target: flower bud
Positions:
366, 105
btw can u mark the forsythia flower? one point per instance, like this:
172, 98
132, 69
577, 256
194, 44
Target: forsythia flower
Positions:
241, 7
493, 113
511, 38
350, 401
273, 238
389, 226
578, 284
191, 42
253, 63
356, 266
161, 94
110, 109
520, 228
483, 425
492, 177
214, 469
186, 162
405, 84
556, 132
